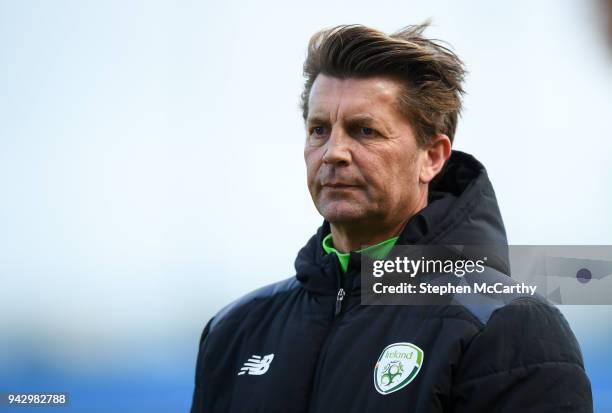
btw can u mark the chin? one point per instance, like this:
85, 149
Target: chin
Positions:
341, 212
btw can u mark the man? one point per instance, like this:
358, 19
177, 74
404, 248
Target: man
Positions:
381, 113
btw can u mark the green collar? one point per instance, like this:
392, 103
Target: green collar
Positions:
378, 251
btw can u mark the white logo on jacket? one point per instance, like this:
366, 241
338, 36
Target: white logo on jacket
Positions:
397, 366
256, 366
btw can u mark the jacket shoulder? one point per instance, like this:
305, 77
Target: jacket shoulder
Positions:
481, 306
267, 292
525, 354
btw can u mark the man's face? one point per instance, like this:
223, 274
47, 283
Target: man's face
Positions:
362, 158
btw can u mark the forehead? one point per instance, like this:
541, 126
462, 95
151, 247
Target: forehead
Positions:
335, 97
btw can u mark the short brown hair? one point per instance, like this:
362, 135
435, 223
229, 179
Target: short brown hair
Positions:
431, 74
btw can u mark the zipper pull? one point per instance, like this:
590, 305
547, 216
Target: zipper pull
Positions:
339, 299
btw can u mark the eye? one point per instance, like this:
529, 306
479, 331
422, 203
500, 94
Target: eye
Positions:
317, 135
367, 131
318, 130
364, 132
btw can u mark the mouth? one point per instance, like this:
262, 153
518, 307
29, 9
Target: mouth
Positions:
338, 185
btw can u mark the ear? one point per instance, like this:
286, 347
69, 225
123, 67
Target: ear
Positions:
436, 153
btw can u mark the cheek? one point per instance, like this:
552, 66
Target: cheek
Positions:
313, 162
409, 163
379, 169
401, 176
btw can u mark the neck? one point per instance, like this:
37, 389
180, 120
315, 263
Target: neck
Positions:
348, 239
351, 236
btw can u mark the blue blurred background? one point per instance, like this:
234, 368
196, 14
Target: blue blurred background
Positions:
151, 169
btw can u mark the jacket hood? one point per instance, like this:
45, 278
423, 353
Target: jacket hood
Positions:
462, 210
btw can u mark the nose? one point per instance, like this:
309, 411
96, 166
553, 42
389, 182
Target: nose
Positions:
337, 148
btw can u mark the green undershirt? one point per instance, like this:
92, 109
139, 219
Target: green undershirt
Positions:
378, 251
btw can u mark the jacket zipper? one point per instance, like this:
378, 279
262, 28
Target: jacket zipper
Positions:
324, 348
339, 299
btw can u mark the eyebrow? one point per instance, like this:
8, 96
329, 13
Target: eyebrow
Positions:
316, 119
369, 120
352, 121
362, 119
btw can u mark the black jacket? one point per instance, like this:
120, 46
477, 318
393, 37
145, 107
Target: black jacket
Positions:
299, 346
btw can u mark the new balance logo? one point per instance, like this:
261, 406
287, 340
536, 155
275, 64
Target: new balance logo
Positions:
256, 365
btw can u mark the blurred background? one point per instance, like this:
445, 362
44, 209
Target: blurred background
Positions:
151, 169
